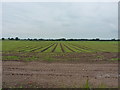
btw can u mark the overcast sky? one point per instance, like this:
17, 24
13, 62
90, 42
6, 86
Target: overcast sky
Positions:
60, 19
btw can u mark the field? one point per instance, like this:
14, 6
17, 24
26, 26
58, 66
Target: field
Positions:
60, 64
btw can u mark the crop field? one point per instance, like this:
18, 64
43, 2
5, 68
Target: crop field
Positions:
58, 50
60, 46
60, 64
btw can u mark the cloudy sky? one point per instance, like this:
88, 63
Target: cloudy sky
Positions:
60, 19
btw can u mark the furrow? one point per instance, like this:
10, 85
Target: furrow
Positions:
81, 48
62, 48
36, 49
47, 47
68, 48
54, 48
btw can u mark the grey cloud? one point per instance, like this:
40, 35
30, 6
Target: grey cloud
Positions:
54, 20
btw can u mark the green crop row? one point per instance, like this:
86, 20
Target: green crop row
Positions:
62, 46
99, 46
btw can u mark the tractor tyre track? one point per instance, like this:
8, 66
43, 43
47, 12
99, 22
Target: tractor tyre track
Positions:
54, 47
68, 48
86, 48
36, 49
75, 47
81, 47
62, 48
47, 47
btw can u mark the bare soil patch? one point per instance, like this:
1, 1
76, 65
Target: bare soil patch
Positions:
58, 75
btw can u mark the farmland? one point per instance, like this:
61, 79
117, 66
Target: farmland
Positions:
59, 46
70, 63
58, 50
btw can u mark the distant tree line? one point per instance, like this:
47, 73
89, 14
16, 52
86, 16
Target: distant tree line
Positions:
61, 39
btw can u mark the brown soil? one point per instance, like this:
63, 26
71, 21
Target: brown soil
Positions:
54, 47
47, 47
36, 49
86, 48
89, 58
62, 48
68, 48
58, 75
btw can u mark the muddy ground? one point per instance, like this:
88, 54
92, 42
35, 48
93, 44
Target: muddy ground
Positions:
53, 75
100, 72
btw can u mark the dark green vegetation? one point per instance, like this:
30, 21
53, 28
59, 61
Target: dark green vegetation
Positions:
60, 39
59, 50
